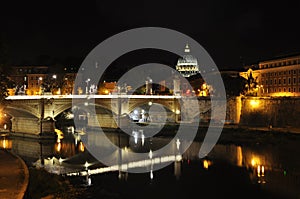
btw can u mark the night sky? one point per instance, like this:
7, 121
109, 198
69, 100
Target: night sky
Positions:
233, 32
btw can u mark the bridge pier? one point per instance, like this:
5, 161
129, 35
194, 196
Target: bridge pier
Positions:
33, 126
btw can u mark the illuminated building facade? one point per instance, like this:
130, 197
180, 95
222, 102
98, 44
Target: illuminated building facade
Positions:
28, 79
276, 77
187, 65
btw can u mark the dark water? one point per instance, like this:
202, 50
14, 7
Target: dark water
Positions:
268, 170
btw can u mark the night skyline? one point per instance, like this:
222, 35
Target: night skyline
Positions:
234, 33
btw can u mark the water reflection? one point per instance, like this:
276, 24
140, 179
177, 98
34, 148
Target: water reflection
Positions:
266, 166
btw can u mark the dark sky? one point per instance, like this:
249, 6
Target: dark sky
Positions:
231, 31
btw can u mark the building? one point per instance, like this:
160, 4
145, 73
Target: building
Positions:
28, 79
187, 65
275, 77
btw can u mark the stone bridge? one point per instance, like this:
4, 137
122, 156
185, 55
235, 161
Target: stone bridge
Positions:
36, 114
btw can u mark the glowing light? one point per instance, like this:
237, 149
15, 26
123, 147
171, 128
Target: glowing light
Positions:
239, 156
58, 147
206, 164
81, 147
6, 144
177, 144
143, 139
86, 164
151, 174
150, 154
60, 134
255, 161
258, 170
177, 112
150, 103
254, 103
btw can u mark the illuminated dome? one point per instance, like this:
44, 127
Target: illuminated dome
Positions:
188, 64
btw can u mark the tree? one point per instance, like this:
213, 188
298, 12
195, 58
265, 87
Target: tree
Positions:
234, 86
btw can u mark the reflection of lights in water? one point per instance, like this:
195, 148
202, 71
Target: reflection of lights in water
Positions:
59, 133
206, 164
86, 165
151, 174
239, 155
260, 171
255, 161
81, 147
126, 166
178, 158
58, 147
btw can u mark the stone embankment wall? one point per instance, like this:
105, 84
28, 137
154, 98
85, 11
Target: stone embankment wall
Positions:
270, 111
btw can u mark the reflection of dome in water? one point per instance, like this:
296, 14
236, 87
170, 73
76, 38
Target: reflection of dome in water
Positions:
187, 65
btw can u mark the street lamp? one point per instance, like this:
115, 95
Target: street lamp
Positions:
39, 84
87, 85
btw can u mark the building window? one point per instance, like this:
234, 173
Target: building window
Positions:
284, 89
289, 80
274, 89
279, 81
279, 89
294, 80
289, 89
294, 71
284, 81
275, 81
294, 89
